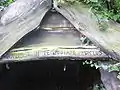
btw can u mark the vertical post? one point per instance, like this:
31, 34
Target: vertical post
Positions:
52, 3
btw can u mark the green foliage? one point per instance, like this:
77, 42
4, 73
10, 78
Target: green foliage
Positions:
110, 67
109, 9
91, 63
118, 76
99, 87
114, 68
5, 3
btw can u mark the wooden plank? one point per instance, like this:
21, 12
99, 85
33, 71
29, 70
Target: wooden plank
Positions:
30, 53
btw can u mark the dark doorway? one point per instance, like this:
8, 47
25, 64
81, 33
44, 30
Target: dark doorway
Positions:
48, 75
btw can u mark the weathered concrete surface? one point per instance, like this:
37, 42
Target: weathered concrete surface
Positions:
85, 22
28, 20
110, 80
55, 38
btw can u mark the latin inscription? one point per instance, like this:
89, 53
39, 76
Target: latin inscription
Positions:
69, 53
57, 52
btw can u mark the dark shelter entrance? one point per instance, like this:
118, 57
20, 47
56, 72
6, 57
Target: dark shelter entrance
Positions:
48, 75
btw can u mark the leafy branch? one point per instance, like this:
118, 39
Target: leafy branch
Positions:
109, 9
5, 3
109, 66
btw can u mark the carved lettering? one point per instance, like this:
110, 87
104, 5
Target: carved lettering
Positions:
68, 53
60, 52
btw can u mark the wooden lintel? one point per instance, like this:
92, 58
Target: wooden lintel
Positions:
64, 52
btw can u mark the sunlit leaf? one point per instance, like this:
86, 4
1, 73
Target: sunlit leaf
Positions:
114, 68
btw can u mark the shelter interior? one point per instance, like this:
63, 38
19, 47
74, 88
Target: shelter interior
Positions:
48, 75
54, 30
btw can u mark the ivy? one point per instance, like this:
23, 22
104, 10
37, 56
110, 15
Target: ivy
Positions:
99, 87
109, 9
5, 3
109, 66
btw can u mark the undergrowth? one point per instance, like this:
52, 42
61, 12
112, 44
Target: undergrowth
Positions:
109, 9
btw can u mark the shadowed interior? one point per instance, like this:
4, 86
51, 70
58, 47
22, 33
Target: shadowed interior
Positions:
48, 74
